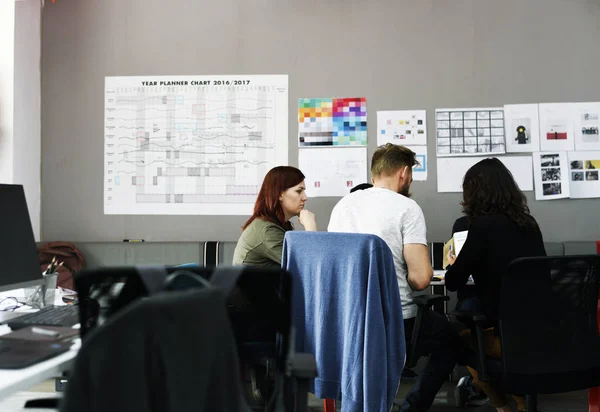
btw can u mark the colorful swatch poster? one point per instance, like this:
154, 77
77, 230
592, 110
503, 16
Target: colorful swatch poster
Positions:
332, 121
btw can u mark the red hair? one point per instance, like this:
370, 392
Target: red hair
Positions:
267, 206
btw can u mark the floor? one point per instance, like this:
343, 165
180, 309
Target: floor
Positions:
566, 402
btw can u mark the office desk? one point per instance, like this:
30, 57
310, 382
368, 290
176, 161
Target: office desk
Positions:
438, 287
15, 380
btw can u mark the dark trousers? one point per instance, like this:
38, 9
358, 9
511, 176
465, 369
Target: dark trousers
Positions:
439, 340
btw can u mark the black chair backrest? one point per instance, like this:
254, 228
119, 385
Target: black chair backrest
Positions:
259, 306
548, 323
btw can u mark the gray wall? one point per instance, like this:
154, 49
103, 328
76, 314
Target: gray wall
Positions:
400, 54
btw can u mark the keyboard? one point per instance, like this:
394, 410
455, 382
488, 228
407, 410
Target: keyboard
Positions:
67, 315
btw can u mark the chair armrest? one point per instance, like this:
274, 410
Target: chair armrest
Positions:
424, 301
477, 317
303, 366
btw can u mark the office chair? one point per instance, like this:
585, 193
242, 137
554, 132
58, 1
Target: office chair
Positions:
328, 266
548, 327
258, 308
170, 352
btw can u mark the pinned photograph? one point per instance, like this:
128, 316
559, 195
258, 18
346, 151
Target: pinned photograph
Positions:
577, 176
551, 174
551, 189
577, 164
550, 160
558, 131
591, 175
521, 130
592, 164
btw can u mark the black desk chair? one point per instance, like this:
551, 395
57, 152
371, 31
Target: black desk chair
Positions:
548, 328
258, 308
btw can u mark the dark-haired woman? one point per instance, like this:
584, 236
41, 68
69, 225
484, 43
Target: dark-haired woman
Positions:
501, 229
281, 197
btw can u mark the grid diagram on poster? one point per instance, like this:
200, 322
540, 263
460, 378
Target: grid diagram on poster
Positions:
191, 144
470, 131
332, 122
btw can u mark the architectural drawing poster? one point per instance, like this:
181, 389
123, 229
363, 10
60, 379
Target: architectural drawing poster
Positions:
522, 128
403, 127
332, 122
192, 144
551, 172
584, 168
332, 171
470, 131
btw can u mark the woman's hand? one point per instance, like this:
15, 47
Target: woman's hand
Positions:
451, 257
307, 219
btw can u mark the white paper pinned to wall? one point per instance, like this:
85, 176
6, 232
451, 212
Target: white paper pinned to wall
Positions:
556, 127
451, 171
420, 171
584, 168
522, 128
551, 175
403, 127
332, 171
587, 126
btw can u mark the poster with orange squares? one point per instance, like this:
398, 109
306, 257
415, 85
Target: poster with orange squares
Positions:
332, 121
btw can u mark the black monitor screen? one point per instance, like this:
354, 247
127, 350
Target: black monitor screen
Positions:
19, 262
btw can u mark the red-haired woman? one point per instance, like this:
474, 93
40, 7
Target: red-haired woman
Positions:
281, 197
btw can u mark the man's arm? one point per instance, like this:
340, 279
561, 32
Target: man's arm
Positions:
418, 262
416, 254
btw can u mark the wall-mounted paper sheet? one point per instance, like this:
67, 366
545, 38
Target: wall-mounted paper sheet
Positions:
471, 132
420, 171
587, 126
556, 127
451, 171
551, 175
403, 127
522, 128
332, 171
584, 168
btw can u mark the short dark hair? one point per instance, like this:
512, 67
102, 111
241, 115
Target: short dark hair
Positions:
489, 187
390, 158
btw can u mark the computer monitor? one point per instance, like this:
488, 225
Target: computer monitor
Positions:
19, 261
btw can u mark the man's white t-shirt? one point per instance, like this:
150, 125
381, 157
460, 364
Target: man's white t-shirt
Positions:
393, 217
